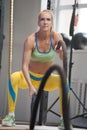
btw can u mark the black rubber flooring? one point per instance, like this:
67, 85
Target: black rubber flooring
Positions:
80, 122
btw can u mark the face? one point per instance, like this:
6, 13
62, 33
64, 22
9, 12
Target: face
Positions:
45, 21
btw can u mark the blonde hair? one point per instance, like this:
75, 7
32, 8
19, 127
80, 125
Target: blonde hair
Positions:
46, 11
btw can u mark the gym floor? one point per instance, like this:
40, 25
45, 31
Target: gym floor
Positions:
26, 127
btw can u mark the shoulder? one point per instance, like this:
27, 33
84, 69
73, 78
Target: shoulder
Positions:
30, 41
56, 37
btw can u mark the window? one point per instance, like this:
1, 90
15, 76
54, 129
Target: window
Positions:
65, 9
66, 2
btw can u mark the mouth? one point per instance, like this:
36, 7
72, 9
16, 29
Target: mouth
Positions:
45, 26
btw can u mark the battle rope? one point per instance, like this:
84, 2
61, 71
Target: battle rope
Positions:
65, 102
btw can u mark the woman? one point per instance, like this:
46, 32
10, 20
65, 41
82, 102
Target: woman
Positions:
38, 55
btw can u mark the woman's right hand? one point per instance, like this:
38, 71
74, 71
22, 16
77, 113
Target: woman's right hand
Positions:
32, 91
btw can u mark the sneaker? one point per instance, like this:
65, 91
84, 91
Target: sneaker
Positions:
61, 125
8, 121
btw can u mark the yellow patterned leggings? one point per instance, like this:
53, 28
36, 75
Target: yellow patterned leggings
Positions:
18, 81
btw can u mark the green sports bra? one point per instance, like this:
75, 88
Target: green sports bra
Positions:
43, 56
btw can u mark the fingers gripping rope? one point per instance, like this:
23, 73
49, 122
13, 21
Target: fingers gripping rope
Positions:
65, 104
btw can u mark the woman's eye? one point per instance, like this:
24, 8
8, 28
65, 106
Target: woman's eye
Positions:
48, 19
42, 19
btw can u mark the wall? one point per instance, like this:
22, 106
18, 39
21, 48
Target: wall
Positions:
25, 22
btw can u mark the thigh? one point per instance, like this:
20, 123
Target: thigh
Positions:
53, 82
19, 80
23, 83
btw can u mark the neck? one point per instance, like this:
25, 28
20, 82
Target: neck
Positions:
43, 35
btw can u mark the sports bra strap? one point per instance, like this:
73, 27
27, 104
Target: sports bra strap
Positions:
36, 40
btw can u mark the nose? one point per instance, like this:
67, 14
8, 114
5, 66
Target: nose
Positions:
45, 21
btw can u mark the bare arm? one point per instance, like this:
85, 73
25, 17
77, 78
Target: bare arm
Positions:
58, 47
28, 46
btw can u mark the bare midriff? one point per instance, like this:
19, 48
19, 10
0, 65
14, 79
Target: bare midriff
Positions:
39, 67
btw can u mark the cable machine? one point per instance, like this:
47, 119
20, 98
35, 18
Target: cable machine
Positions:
72, 24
